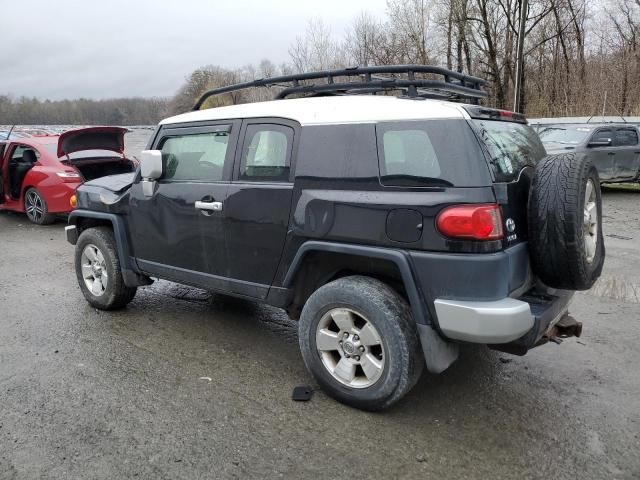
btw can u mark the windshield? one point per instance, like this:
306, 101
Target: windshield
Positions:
511, 146
565, 135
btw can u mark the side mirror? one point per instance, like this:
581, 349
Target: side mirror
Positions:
150, 170
151, 164
605, 142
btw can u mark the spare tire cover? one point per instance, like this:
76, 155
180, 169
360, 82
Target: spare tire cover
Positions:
565, 222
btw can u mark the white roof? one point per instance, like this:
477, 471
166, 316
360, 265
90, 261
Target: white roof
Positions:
331, 110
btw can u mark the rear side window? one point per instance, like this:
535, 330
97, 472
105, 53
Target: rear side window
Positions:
626, 137
266, 155
422, 154
197, 157
511, 147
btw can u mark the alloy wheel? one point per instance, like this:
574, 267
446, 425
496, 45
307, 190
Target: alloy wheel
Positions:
350, 348
94, 270
34, 206
590, 222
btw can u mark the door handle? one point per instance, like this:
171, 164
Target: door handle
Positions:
210, 206
611, 153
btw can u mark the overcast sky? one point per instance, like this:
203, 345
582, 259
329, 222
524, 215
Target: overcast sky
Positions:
114, 48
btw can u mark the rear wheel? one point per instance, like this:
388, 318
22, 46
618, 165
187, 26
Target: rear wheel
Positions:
36, 208
98, 270
359, 341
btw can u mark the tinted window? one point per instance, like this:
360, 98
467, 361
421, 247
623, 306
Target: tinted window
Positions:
511, 147
626, 137
339, 152
602, 136
266, 153
422, 154
409, 152
18, 153
197, 157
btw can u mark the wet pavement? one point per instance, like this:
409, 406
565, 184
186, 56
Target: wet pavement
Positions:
184, 384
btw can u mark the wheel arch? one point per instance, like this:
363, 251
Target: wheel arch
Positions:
317, 263
84, 219
439, 354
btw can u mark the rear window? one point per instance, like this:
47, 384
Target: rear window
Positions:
422, 154
511, 147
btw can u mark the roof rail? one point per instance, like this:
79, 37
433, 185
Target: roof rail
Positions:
452, 85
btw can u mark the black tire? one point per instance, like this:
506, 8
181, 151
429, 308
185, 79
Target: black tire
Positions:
36, 208
116, 294
390, 314
556, 222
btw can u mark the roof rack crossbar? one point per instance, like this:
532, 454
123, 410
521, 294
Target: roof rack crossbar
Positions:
454, 83
391, 84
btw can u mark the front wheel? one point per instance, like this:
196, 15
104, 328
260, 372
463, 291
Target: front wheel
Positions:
359, 341
98, 270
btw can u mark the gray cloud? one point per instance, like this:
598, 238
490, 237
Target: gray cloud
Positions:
100, 49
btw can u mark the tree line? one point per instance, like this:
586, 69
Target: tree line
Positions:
581, 57
117, 111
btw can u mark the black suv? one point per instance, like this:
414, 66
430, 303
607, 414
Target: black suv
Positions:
395, 228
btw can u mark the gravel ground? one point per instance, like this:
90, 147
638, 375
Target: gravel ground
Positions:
185, 384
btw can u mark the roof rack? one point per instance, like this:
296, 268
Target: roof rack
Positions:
371, 80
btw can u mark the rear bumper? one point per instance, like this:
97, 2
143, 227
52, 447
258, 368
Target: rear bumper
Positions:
499, 321
519, 322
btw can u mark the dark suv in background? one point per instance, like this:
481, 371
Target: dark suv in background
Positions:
394, 228
613, 148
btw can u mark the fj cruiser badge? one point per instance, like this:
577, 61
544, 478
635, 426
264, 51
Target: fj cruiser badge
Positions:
511, 228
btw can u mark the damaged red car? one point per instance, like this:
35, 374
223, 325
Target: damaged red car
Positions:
39, 174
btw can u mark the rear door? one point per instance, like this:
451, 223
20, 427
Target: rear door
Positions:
257, 206
513, 150
627, 158
177, 233
604, 157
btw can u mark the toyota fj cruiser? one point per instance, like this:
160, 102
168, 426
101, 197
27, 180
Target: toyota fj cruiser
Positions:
395, 228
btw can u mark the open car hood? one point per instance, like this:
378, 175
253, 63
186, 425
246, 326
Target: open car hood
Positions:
92, 138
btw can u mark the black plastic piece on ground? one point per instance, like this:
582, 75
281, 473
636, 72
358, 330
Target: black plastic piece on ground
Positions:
302, 394
452, 86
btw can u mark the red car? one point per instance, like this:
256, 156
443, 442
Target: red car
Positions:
40, 174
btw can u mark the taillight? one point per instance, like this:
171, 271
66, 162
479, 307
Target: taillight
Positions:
476, 222
69, 176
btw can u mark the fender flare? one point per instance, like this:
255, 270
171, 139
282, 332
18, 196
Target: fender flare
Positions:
439, 354
130, 273
398, 257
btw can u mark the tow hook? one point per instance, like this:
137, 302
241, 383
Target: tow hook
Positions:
566, 327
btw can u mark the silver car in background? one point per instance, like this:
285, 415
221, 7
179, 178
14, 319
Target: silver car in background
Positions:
614, 148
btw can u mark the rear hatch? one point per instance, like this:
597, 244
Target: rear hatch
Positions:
513, 149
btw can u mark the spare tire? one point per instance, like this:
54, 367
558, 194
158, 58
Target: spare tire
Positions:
565, 222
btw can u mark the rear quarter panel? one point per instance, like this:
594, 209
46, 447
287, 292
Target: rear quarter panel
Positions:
56, 193
338, 197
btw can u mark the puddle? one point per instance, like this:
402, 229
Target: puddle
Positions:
617, 288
